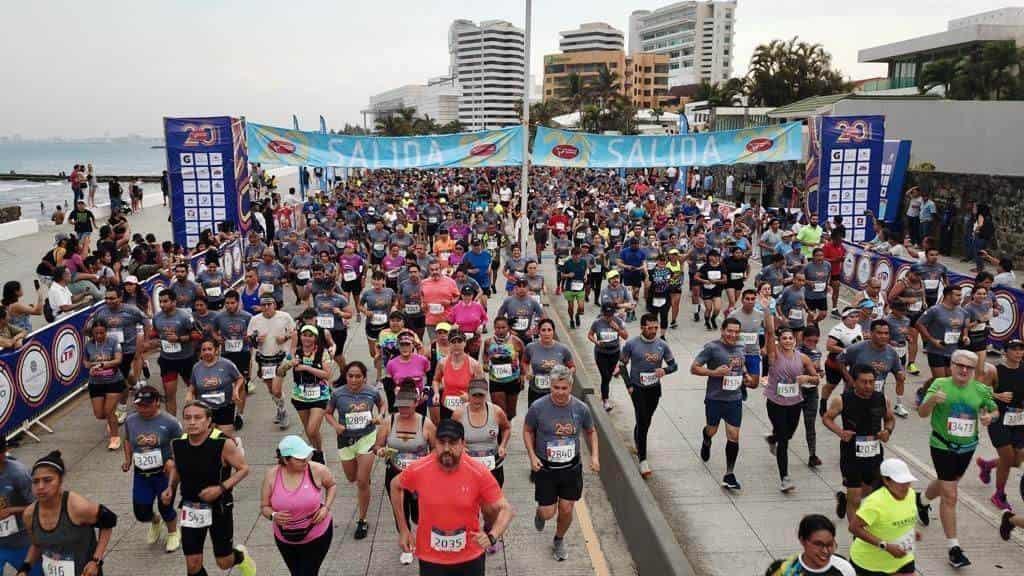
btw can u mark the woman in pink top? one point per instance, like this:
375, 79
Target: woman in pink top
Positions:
409, 364
296, 497
467, 316
392, 265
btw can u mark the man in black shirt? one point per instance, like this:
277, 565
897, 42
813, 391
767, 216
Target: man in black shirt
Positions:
83, 220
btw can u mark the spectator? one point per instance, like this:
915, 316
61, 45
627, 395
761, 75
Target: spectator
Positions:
10, 335
967, 221
93, 185
58, 215
18, 314
165, 185
84, 222
928, 211
61, 300
1005, 278
914, 215
114, 192
984, 231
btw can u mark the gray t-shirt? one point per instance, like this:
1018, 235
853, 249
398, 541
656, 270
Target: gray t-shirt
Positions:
542, 359
180, 324
147, 436
123, 324
15, 490
104, 352
378, 303
751, 326
646, 356
520, 312
213, 285
606, 331
817, 280
898, 328
231, 328
354, 411
557, 430
214, 384
613, 295
944, 325
791, 307
884, 361
325, 305
412, 298
717, 353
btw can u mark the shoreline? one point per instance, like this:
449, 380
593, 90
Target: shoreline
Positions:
34, 177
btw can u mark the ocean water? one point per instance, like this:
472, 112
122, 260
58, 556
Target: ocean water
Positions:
120, 156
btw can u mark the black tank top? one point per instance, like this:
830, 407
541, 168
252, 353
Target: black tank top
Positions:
200, 466
67, 542
1011, 380
863, 415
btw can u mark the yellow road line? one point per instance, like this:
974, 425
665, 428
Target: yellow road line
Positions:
597, 559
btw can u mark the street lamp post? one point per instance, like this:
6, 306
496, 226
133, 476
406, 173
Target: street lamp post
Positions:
524, 184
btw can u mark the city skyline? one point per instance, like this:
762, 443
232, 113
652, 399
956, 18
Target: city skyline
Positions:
112, 70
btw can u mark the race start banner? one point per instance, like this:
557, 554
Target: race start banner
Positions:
567, 149
48, 367
209, 174
282, 146
850, 175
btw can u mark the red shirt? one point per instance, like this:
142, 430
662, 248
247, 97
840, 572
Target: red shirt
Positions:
834, 254
555, 219
449, 507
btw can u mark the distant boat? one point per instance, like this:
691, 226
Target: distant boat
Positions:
157, 147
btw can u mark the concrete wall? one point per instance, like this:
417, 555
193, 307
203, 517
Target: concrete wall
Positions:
962, 137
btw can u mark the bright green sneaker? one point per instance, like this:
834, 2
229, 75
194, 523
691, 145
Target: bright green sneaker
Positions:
247, 567
155, 527
913, 369
173, 541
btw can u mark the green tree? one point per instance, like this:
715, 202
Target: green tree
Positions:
425, 125
727, 93
941, 72
606, 85
453, 127
782, 72
575, 92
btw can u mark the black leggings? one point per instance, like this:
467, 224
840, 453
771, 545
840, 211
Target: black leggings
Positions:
475, 567
606, 366
645, 402
305, 559
662, 312
784, 422
409, 504
810, 410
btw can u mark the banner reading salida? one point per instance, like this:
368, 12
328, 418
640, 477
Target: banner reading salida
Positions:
281, 146
568, 149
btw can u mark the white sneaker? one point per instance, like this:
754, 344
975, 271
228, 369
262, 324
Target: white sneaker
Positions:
900, 411
155, 528
284, 420
121, 411
786, 486
645, 469
405, 559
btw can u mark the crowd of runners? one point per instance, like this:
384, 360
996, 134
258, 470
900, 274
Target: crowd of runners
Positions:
410, 261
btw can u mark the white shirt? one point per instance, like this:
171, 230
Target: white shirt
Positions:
846, 336
1007, 279
59, 296
729, 180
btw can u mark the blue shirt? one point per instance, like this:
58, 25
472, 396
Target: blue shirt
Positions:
927, 211
632, 256
482, 263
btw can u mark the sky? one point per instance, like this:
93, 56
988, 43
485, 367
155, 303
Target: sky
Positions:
76, 69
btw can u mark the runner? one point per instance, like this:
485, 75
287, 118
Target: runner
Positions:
751, 316
62, 525
943, 327
712, 278
353, 403
452, 493
818, 274
270, 332
909, 290
867, 423
877, 353
376, 303
1007, 428
172, 333
451, 378
722, 362
16, 494
541, 356
469, 317
607, 333
573, 275
552, 429
129, 325
410, 299
438, 293
884, 524
410, 365
218, 384
207, 465
297, 496
844, 334
147, 452
102, 358
791, 310
311, 370
817, 536
487, 431
503, 360
956, 405
229, 329
658, 292
644, 361
834, 253
522, 312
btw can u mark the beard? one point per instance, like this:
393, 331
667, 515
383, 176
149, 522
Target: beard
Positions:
448, 460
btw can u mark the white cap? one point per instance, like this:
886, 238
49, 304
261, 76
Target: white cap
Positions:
896, 470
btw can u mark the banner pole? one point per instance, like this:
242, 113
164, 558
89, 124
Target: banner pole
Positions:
524, 184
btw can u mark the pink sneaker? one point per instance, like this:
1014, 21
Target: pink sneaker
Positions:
985, 469
999, 501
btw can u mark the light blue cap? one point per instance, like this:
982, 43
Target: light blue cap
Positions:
292, 446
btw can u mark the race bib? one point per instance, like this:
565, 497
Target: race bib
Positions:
650, 264
559, 226
58, 565
378, 246
116, 334
1013, 417
215, 291
453, 403
492, 245
961, 427
435, 308
469, 335
393, 273
879, 385
267, 372
561, 450
196, 515
732, 383
356, 420
931, 285
615, 231
951, 337
348, 276
867, 446
818, 287
311, 392
796, 314
581, 235
445, 256
266, 287
520, 324
607, 336
658, 302
915, 306
402, 460
748, 338
148, 460
736, 276
412, 308
714, 275
787, 389
541, 381
325, 322
233, 345
432, 219
447, 541
576, 285
906, 542
379, 318
597, 268
648, 379
488, 460
9, 526
501, 371
215, 398
901, 350
303, 275
776, 290
170, 347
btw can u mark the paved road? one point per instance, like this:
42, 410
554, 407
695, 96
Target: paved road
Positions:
739, 533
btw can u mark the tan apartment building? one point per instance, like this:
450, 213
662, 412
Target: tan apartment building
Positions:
643, 77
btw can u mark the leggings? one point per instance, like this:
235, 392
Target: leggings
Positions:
305, 559
595, 286
784, 422
409, 504
810, 410
645, 402
606, 366
662, 311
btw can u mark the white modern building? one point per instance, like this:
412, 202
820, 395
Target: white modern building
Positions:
438, 98
697, 36
591, 36
488, 62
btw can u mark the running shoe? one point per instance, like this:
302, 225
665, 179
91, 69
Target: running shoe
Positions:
250, 387
841, 504
155, 527
239, 422
558, 547
714, 323
900, 411
607, 405
121, 411
173, 541
277, 417
674, 325
985, 469
1006, 525
772, 447
835, 313
814, 461
284, 420
999, 501
405, 558
957, 558
786, 486
247, 567
729, 481
538, 522
115, 443
645, 469
696, 316
923, 511
913, 369
362, 529
705, 449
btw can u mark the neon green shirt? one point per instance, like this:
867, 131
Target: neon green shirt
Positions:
809, 237
891, 521
955, 421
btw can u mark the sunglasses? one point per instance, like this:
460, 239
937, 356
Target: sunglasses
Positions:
964, 366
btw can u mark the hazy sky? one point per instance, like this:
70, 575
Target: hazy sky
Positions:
96, 67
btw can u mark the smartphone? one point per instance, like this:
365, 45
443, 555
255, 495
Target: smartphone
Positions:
36, 282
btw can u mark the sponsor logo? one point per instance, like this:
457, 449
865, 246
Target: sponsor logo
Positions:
856, 131
281, 146
565, 151
34, 373
760, 145
485, 149
67, 354
201, 135
6, 395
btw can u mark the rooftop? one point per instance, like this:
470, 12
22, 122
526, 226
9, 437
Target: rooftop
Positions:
817, 105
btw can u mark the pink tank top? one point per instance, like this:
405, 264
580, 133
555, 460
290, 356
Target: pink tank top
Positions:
302, 503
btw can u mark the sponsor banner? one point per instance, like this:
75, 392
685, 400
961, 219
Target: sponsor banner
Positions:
209, 174
895, 159
850, 175
860, 265
48, 367
281, 146
569, 149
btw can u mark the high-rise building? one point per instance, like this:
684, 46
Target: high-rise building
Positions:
438, 98
489, 63
591, 36
643, 78
697, 36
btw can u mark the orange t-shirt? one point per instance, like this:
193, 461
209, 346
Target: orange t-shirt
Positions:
449, 505
442, 247
437, 296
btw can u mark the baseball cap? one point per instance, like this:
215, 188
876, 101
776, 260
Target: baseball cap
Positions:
443, 327
450, 429
611, 274
146, 394
521, 282
131, 280
478, 386
896, 470
850, 311
292, 446
607, 308
467, 290
456, 336
310, 329
405, 397
1015, 343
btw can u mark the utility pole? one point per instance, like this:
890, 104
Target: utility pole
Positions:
524, 184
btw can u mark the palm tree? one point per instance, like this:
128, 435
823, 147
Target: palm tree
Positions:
590, 119
720, 94
390, 125
782, 72
938, 73
574, 92
453, 127
425, 125
657, 113
606, 85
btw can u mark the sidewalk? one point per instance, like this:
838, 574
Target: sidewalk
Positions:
732, 534
96, 473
